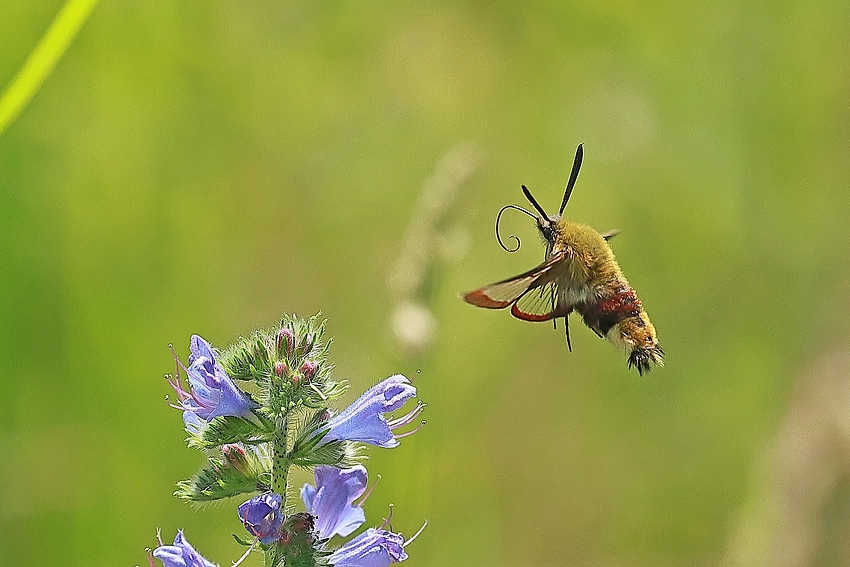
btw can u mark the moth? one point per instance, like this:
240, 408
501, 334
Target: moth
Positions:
580, 274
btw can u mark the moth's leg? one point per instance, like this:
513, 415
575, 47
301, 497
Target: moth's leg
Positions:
554, 304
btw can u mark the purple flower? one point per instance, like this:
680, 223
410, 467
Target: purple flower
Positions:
181, 554
372, 548
331, 501
212, 392
364, 419
262, 517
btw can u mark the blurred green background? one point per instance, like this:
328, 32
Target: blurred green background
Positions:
204, 167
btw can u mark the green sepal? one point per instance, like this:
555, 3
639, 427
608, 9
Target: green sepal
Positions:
308, 334
297, 546
250, 358
310, 434
322, 389
335, 453
309, 451
241, 541
284, 555
220, 480
230, 429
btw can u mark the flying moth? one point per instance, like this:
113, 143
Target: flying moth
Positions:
581, 274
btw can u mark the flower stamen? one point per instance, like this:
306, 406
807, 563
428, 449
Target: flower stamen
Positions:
368, 491
177, 361
416, 535
409, 433
387, 520
175, 381
408, 417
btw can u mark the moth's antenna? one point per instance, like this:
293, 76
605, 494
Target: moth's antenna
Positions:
573, 177
515, 237
531, 200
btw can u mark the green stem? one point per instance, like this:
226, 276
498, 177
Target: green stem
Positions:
280, 464
43, 58
280, 472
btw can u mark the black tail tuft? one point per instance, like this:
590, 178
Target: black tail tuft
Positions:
641, 357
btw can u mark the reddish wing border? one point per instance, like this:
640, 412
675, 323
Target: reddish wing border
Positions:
539, 303
506, 292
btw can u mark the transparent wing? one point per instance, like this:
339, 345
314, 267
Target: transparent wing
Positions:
537, 304
501, 294
540, 303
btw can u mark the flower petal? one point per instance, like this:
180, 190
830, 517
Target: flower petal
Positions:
192, 422
372, 548
262, 517
181, 554
213, 393
364, 419
331, 501
308, 496
199, 347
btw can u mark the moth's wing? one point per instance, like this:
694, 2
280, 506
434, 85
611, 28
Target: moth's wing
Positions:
541, 303
501, 294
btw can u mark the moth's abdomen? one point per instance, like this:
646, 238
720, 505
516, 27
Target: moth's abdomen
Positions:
621, 319
603, 314
637, 336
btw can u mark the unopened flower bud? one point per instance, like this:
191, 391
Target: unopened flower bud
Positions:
279, 368
234, 456
308, 369
309, 341
285, 341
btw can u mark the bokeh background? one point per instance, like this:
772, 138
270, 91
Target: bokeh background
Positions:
203, 167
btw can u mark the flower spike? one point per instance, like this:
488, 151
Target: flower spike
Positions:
253, 441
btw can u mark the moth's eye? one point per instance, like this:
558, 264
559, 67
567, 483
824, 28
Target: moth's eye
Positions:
547, 232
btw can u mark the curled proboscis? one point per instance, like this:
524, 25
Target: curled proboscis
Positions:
515, 237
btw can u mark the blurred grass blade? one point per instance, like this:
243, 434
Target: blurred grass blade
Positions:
43, 58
